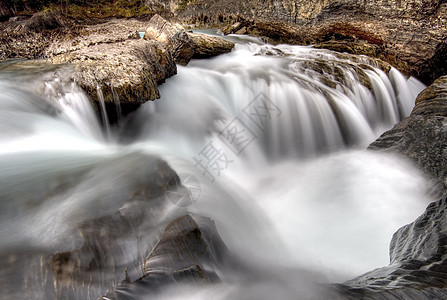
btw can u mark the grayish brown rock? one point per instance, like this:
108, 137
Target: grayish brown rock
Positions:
110, 57
185, 45
206, 46
174, 36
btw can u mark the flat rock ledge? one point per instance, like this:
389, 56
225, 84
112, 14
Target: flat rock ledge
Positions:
113, 58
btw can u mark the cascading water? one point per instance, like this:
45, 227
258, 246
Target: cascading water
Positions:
260, 128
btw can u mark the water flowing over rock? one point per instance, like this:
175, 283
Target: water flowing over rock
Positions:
107, 239
409, 34
417, 251
319, 101
83, 215
422, 135
418, 263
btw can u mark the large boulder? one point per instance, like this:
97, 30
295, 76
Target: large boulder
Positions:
174, 36
206, 46
185, 45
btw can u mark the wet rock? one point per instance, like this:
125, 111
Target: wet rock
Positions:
181, 246
422, 135
116, 239
433, 100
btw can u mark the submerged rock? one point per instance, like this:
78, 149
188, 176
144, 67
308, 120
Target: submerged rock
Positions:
116, 238
185, 254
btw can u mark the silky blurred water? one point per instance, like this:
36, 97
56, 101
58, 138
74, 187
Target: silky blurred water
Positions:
274, 135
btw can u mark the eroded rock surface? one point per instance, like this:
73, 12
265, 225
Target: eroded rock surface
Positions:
173, 36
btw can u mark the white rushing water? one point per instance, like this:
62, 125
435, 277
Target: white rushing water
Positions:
276, 136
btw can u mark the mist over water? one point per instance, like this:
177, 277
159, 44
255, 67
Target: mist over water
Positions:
293, 193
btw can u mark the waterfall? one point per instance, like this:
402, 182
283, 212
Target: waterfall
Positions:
295, 101
271, 138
